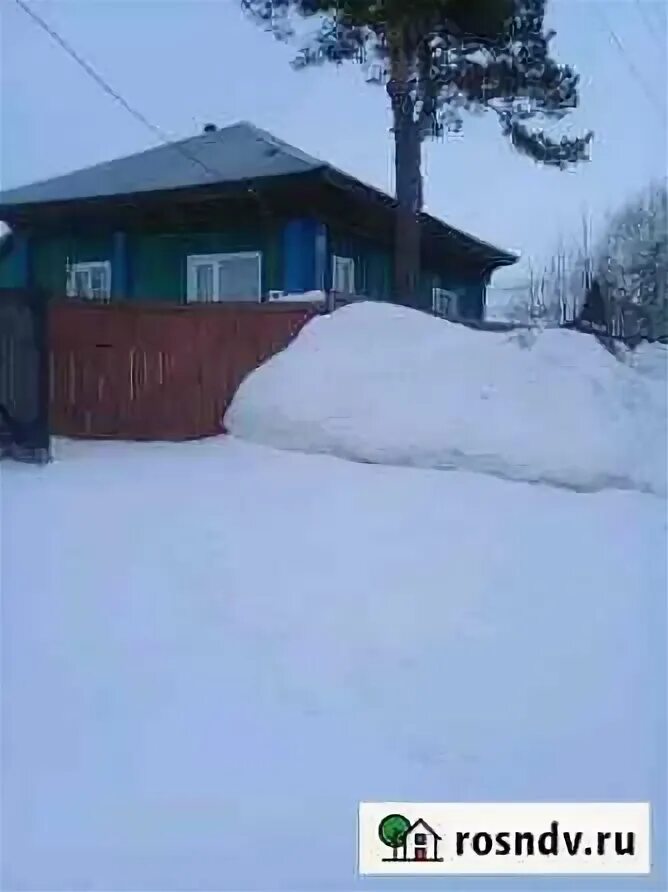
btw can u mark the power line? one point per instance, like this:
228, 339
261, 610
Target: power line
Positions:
632, 68
101, 82
649, 25
661, 21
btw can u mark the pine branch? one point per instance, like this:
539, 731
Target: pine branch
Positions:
468, 55
541, 148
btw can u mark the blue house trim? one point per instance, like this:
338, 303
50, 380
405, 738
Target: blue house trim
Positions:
321, 257
120, 284
21, 260
303, 265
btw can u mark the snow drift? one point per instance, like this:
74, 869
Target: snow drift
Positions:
385, 384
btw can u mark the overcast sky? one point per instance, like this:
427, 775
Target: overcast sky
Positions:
185, 62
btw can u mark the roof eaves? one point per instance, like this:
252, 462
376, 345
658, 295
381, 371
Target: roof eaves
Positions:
500, 256
205, 191
495, 256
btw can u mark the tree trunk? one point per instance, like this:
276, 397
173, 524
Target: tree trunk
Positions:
408, 167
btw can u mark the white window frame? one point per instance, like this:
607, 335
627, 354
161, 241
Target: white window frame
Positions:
440, 295
88, 267
195, 260
343, 268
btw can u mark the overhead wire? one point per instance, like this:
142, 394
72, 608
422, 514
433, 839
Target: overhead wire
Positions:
110, 91
649, 95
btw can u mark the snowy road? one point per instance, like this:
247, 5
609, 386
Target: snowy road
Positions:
213, 651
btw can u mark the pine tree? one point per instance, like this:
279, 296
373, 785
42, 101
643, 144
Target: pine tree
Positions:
437, 59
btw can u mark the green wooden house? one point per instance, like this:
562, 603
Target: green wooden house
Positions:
231, 215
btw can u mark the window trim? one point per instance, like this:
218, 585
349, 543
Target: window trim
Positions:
349, 262
453, 302
87, 266
194, 260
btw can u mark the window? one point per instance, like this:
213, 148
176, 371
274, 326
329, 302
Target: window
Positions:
444, 303
89, 280
224, 277
343, 275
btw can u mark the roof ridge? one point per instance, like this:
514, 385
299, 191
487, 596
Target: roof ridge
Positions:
281, 144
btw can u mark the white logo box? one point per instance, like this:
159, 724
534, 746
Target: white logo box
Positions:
472, 838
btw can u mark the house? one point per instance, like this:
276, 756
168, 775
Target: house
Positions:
230, 215
420, 843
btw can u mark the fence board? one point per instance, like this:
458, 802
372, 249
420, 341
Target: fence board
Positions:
131, 371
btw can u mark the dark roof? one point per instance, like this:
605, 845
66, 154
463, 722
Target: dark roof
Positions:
238, 152
229, 155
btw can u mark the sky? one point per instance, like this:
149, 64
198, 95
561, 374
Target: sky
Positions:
183, 63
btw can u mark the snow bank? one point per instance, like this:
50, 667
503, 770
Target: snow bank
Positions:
380, 383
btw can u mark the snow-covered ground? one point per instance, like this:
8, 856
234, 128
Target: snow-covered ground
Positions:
386, 384
213, 651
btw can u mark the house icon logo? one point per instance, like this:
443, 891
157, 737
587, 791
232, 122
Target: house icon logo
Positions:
415, 841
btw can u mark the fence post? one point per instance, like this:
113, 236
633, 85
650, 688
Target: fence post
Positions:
24, 362
42, 343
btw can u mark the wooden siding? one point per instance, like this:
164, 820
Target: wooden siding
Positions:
150, 265
157, 262
125, 371
373, 264
470, 291
49, 256
374, 276
14, 262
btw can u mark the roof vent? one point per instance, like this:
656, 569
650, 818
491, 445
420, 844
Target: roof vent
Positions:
210, 128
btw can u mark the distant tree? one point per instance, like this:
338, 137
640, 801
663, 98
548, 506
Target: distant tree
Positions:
437, 59
619, 283
632, 264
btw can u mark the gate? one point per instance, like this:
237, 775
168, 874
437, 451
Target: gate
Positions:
24, 375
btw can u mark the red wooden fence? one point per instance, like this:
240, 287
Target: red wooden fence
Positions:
157, 372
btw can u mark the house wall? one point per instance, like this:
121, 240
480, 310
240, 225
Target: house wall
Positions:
15, 262
50, 255
296, 257
157, 262
145, 266
373, 264
469, 288
374, 276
